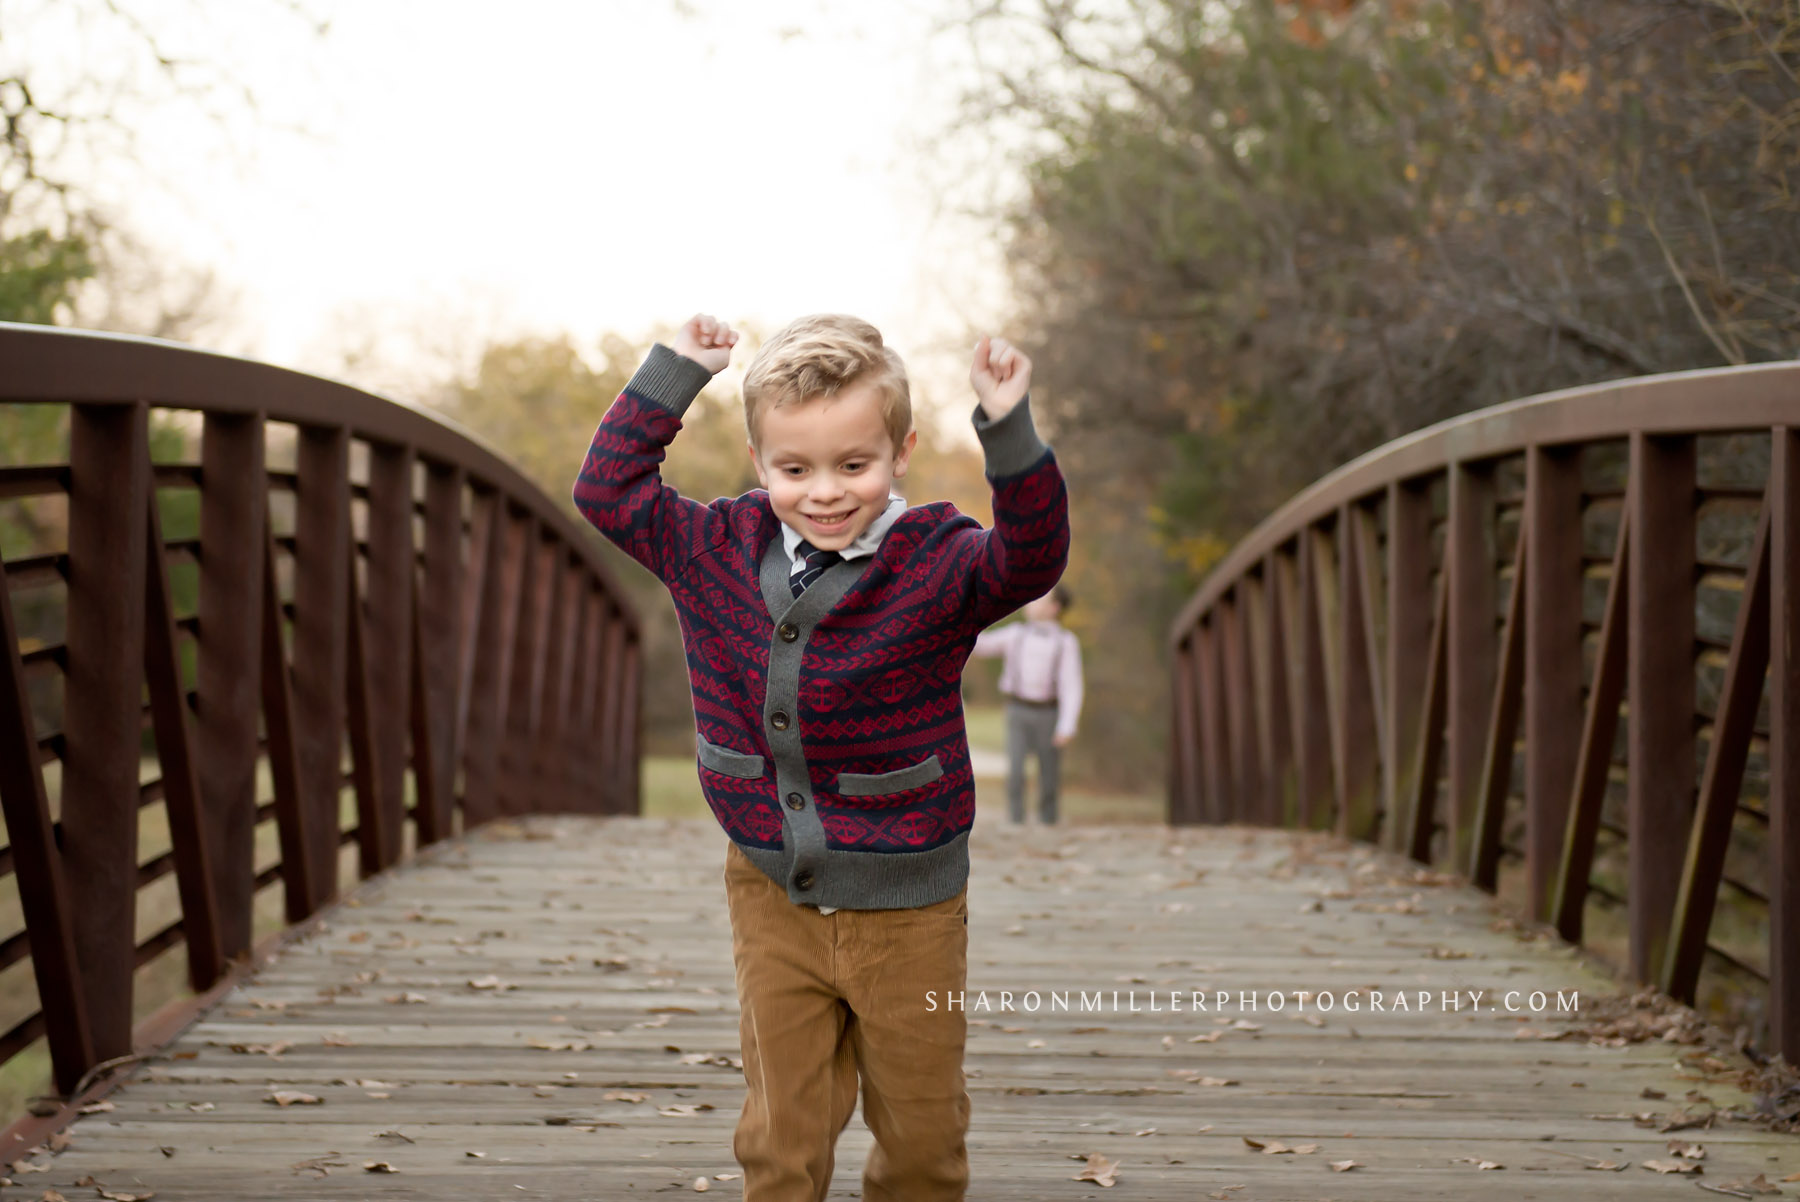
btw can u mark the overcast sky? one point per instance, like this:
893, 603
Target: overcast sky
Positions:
428, 175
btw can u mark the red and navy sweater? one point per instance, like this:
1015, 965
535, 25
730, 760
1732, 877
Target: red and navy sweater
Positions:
830, 729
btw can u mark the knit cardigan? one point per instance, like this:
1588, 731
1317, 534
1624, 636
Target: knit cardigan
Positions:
829, 727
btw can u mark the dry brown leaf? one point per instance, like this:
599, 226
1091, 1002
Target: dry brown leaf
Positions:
336, 1039
1099, 1170
378, 1166
1478, 1162
51, 1195
121, 1196
701, 1185
1268, 1147
683, 1110
1344, 1166
100, 1107
622, 1095
1671, 1166
293, 1097
409, 998
1208, 1037
1686, 1150
490, 982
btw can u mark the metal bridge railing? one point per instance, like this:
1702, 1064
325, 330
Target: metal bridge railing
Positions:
1471, 606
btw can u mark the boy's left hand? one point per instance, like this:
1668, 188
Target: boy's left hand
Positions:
1001, 375
1062, 740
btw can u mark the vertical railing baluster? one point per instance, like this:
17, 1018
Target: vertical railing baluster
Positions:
233, 532
1502, 729
1409, 607
609, 712
1660, 689
563, 646
1259, 655
437, 671
1278, 728
631, 729
322, 558
293, 819
1553, 631
518, 753
372, 838
1215, 764
493, 666
1784, 731
109, 483
1239, 711
584, 767
1312, 741
389, 571
1470, 551
1358, 782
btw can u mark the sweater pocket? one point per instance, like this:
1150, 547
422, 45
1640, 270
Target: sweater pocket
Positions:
727, 762
880, 784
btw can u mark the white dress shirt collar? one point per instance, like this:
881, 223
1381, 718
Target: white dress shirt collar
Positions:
864, 543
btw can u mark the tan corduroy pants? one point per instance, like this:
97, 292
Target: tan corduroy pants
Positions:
827, 998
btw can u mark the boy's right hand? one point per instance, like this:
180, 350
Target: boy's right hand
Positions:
707, 341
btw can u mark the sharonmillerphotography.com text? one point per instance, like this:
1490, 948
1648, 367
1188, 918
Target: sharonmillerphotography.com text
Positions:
1246, 1001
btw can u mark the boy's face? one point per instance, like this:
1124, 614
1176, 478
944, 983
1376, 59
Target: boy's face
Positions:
1044, 609
828, 464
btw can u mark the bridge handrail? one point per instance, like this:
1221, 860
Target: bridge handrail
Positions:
1335, 662
431, 607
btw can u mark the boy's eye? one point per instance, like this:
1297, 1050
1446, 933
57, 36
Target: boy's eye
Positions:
853, 467
794, 471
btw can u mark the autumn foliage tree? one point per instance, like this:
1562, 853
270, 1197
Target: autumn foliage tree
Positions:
1257, 239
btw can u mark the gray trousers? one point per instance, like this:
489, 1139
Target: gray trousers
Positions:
1031, 730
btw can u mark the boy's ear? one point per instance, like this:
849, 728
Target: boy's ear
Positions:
756, 462
904, 456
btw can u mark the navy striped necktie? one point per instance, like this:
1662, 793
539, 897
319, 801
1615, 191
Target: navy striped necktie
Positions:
816, 562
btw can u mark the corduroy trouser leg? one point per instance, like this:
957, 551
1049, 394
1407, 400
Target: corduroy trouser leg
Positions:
829, 998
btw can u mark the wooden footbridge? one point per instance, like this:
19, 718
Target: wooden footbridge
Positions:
339, 722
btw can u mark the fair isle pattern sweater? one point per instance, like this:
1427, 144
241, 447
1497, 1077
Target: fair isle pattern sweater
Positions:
830, 728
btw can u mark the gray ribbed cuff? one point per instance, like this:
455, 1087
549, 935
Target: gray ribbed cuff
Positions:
670, 379
1011, 442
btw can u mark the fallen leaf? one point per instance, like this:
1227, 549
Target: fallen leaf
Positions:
118, 1196
408, 998
1479, 1163
1686, 1151
622, 1095
490, 982
1344, 1166
1099, 1170
293, 1097
100, 1107
683, 1110
1671, 1166
701, 1185
378, 1166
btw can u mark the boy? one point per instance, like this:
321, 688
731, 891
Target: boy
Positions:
826, 625
1040, 674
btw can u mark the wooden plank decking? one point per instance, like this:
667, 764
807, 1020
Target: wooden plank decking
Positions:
464, 1020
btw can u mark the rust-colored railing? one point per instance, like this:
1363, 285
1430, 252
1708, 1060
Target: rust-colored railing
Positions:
381, 607
1375, 656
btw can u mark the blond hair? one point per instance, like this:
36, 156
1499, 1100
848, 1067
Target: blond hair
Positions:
821, 355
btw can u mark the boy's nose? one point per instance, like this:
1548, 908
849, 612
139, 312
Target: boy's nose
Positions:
827, 487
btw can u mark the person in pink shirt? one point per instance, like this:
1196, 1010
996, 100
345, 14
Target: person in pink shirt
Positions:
1040, 674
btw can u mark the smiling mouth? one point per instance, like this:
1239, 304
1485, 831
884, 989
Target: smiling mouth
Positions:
830, 520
